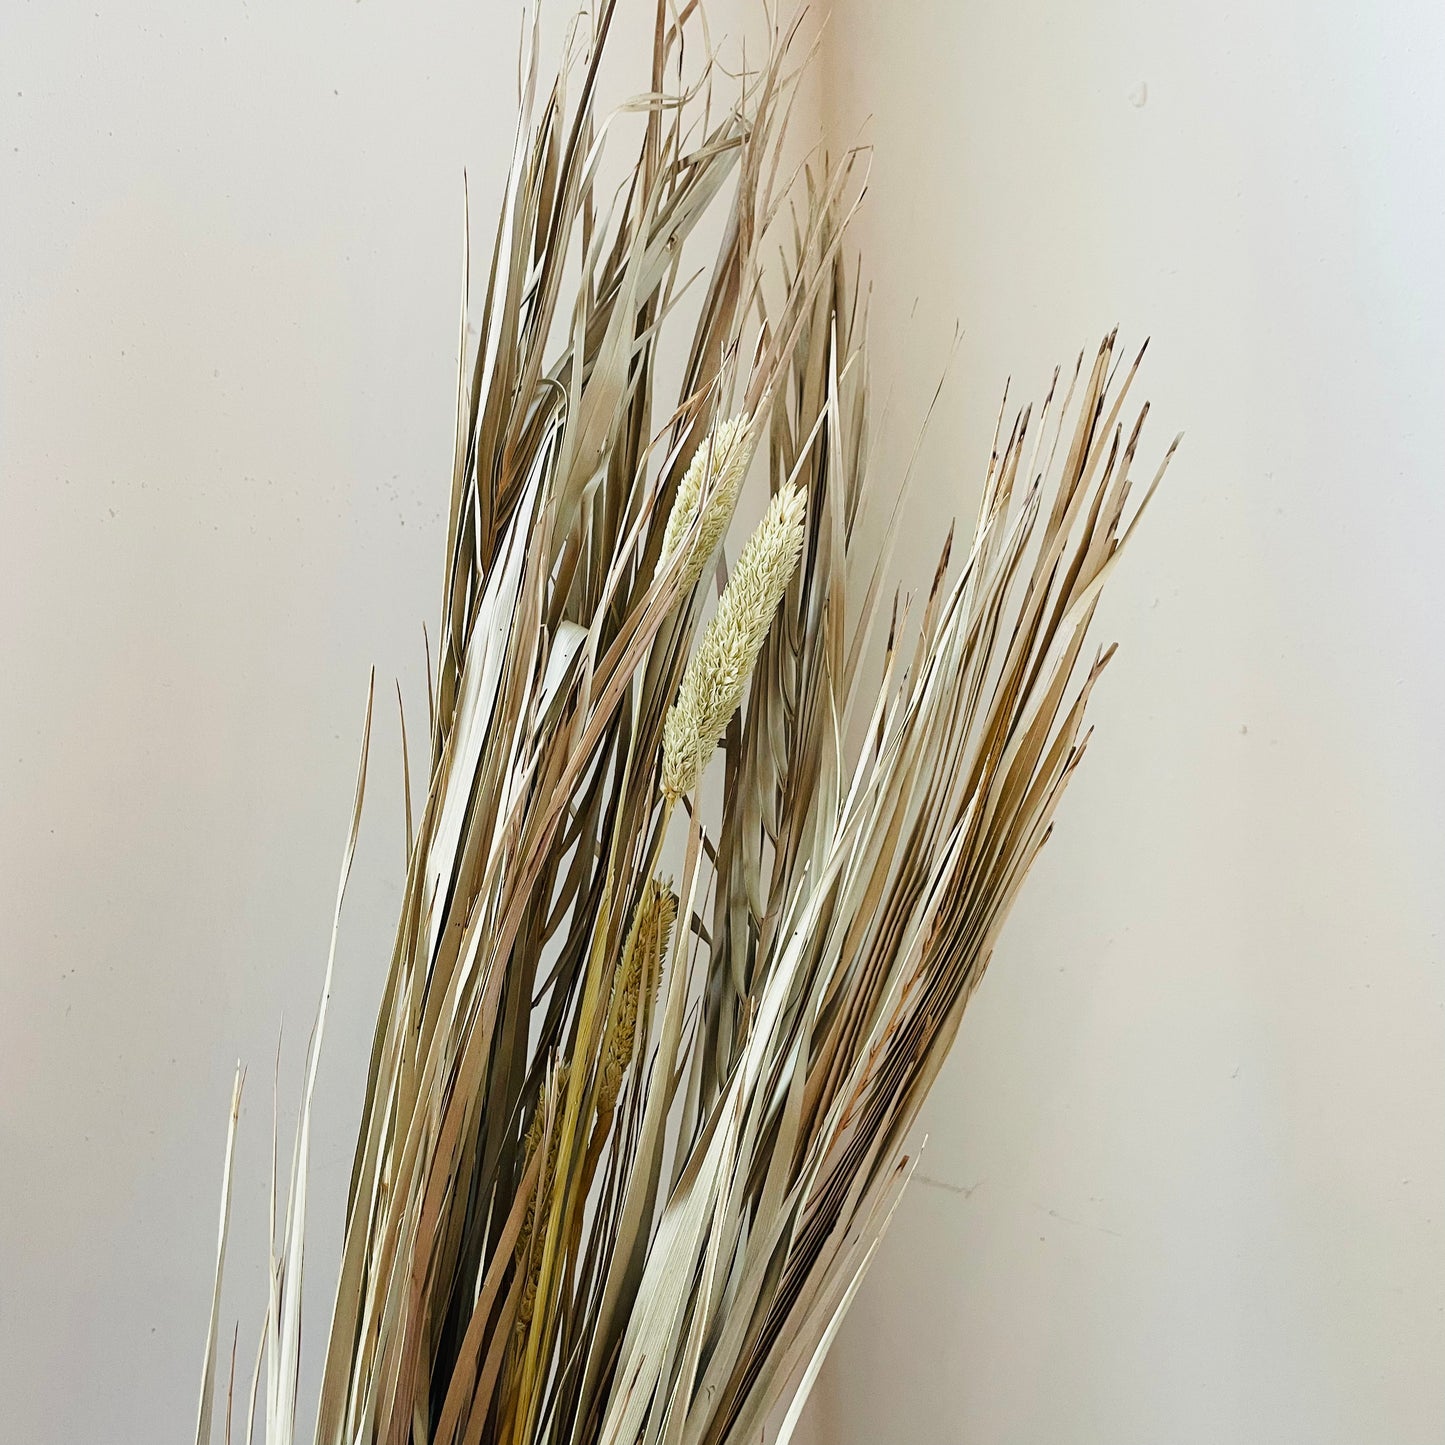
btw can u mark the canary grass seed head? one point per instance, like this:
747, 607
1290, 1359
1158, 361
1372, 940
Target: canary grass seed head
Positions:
541, 1202
642, 955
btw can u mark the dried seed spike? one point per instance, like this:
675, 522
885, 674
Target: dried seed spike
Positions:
712, 687
647, 941
540, 1204
710, 485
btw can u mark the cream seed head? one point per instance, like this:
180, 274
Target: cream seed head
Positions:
710, 485
716, 677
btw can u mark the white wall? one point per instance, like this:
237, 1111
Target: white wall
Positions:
1188, 1100
1186, 1174
229, 280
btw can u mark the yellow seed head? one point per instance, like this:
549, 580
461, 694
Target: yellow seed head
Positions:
642, 954
540, 1204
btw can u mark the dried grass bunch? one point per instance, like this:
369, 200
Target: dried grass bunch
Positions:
628, 1145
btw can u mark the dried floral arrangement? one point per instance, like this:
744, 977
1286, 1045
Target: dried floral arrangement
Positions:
630, 1140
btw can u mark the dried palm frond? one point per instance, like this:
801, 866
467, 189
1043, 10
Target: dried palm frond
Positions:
616, 1180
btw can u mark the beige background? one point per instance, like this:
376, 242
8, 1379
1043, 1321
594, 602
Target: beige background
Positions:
1186, 1176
